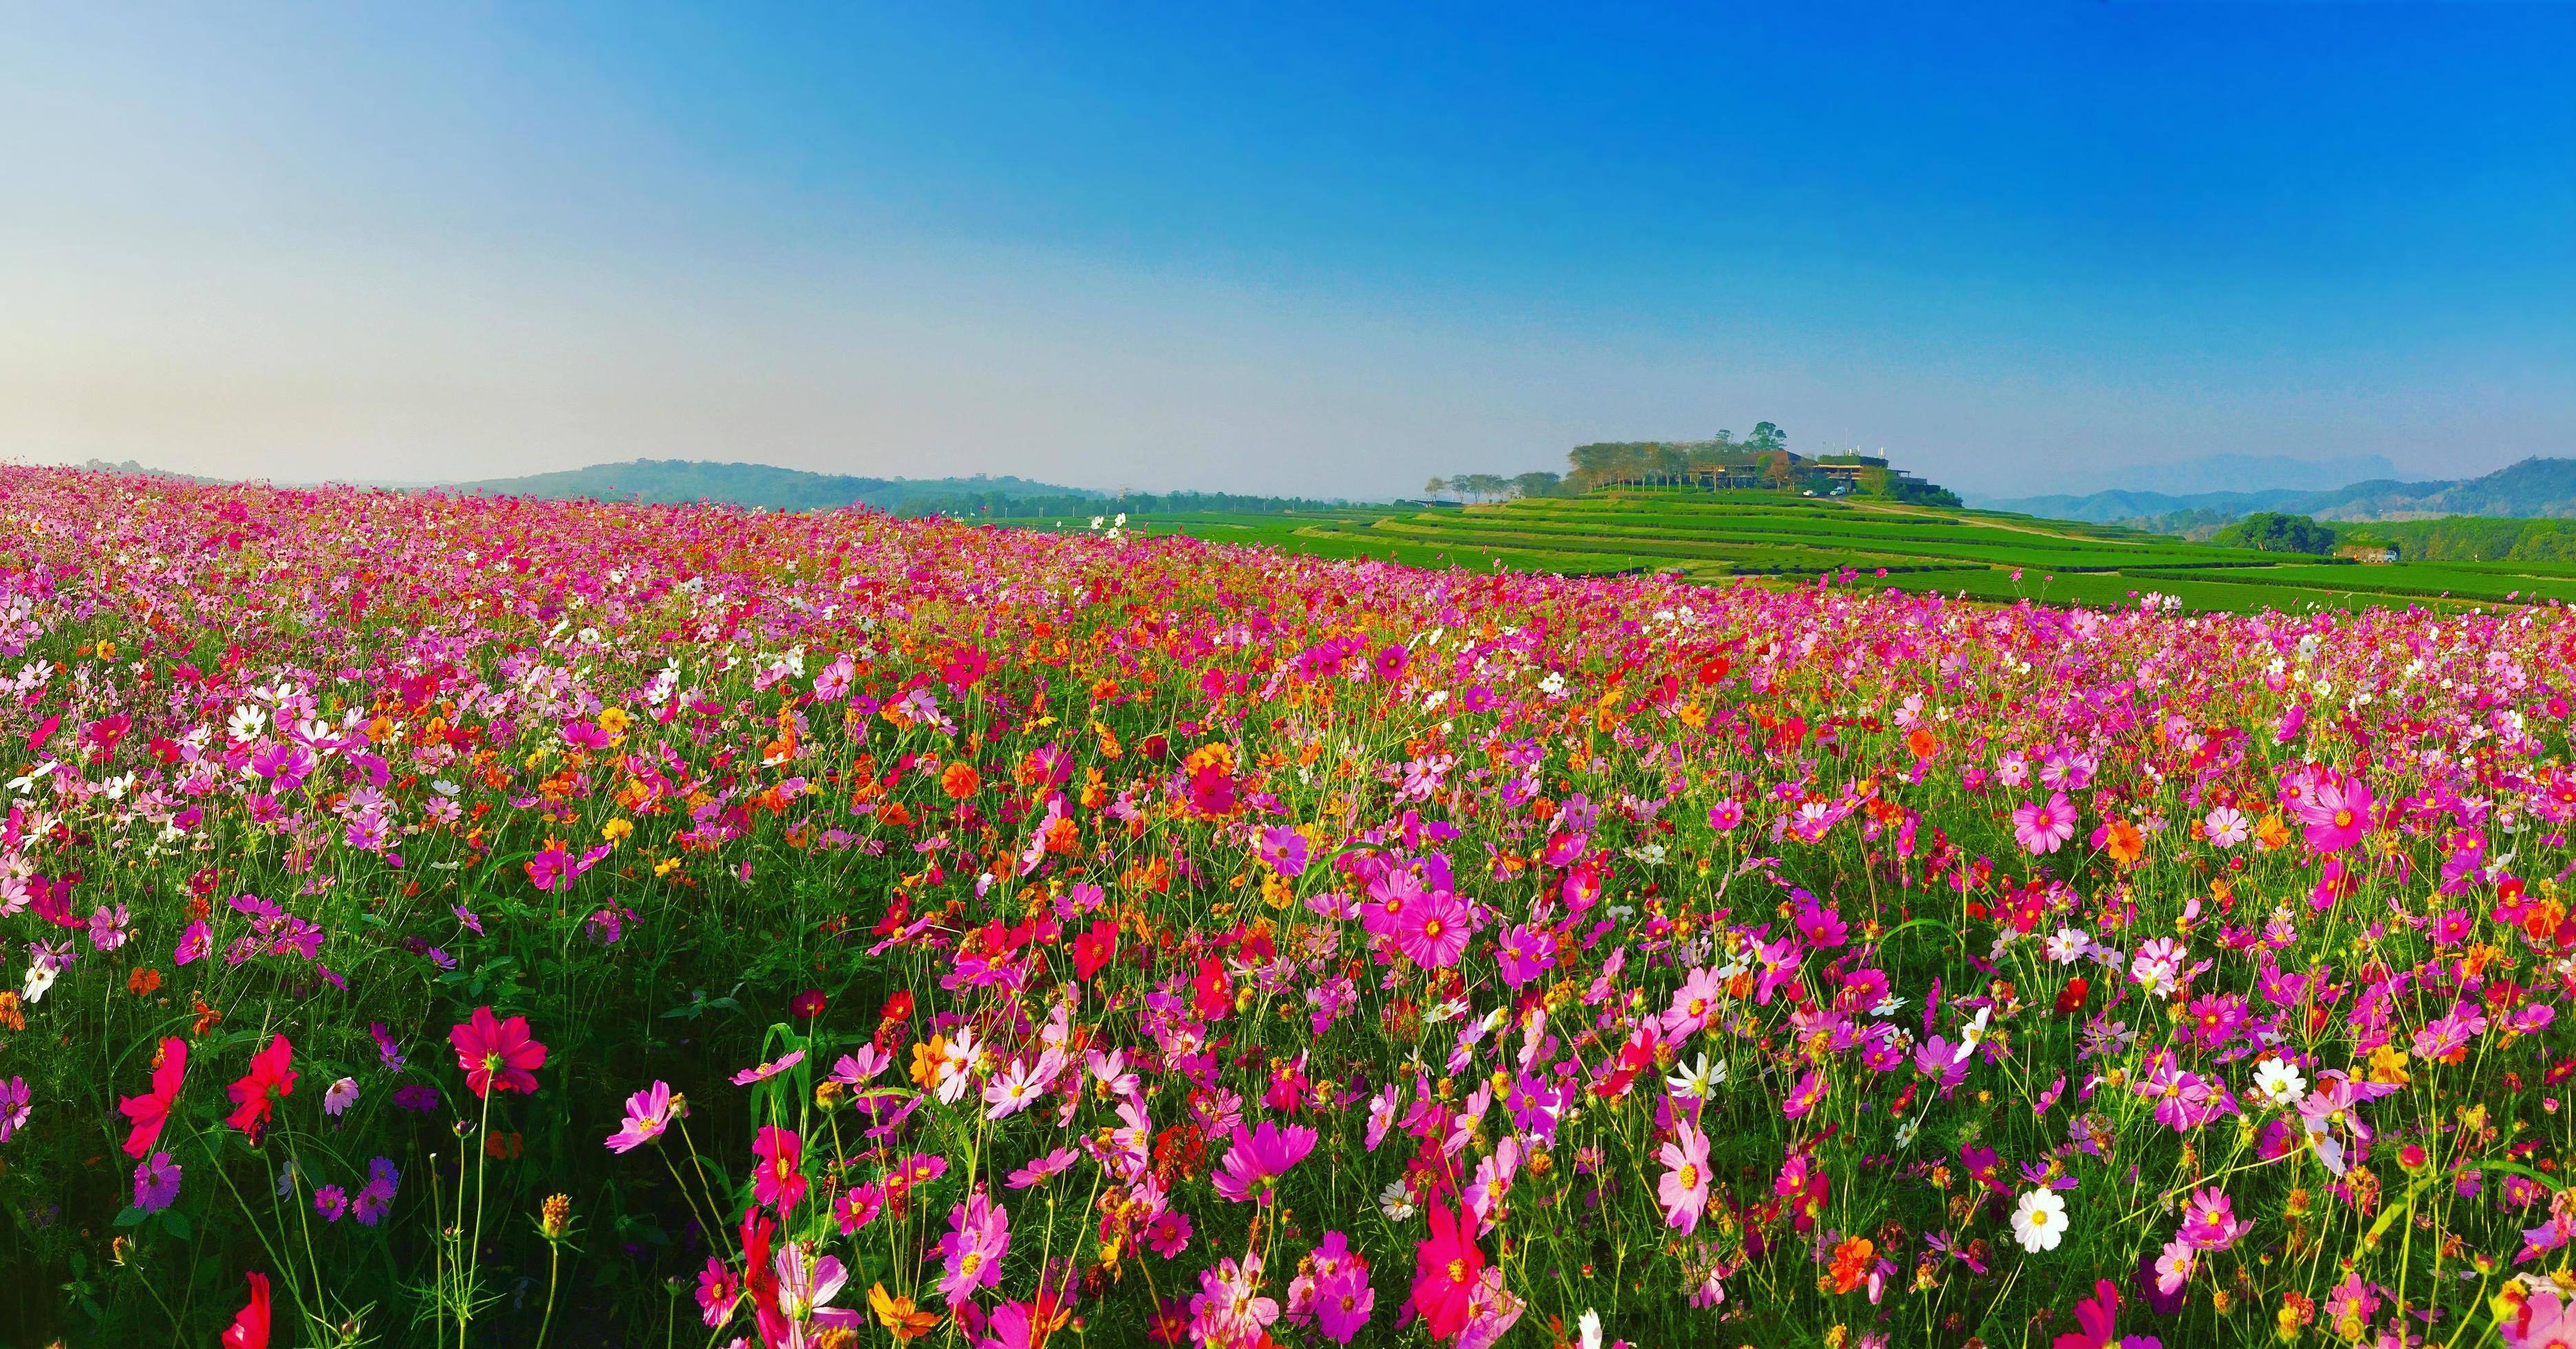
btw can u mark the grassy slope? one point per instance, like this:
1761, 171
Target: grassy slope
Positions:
1789, 539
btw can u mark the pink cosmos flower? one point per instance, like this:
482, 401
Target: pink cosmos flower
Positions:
1684, 1188
765, 1071
978, 1236
2044, 829
2210, 1222
1343, 1301
2336, 813
648, 1113
1051, 1164
1804, 1096
859, 1205
1286, 852
1168, 1234
1693, 1003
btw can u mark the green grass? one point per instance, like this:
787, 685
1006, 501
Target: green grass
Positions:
1780, 539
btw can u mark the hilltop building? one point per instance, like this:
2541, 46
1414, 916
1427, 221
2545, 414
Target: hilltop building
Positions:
1781, 470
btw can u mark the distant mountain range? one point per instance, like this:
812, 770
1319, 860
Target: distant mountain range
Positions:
676, 481
2536, 488
2236, 473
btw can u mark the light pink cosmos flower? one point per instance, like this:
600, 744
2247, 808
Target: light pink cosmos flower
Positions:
1048, 1165
971, 1254
807, 1283
1229, 1311
1684, 1188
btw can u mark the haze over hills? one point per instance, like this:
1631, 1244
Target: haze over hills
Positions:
674, 481
2235, 473
2537, 488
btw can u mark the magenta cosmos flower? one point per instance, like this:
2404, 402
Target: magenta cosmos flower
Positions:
1259, 1157
1432, 931
778, 1182
489, 1048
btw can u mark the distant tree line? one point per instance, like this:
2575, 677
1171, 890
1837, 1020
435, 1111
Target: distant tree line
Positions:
1761, 459
1014, 506
1492, 487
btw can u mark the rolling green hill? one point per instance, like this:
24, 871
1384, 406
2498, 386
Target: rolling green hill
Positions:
1773, 538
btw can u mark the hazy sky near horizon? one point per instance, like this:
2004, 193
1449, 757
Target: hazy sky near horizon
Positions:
1315, 249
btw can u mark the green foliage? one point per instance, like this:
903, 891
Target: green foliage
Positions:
2273, 532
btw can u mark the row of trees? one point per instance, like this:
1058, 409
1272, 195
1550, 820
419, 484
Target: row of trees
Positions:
1766, 452
1592, 466
1491, 487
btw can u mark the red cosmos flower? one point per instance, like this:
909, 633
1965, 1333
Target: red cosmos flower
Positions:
808, 1004
486, 1046
151, 1110
1211, 993
254, 1098
1446, 1271
2070, 999
250, 1324
760, 1277
1096, 947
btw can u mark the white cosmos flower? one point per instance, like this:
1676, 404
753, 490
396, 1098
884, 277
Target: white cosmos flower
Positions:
1395, 1201
1972, 1035
2279, 1082
2039, 1221
1698, 1079
39, 978
2069, 945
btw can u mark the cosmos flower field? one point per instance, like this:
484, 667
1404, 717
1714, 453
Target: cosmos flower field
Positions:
462, 921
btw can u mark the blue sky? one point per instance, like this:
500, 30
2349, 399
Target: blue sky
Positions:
1286, 248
